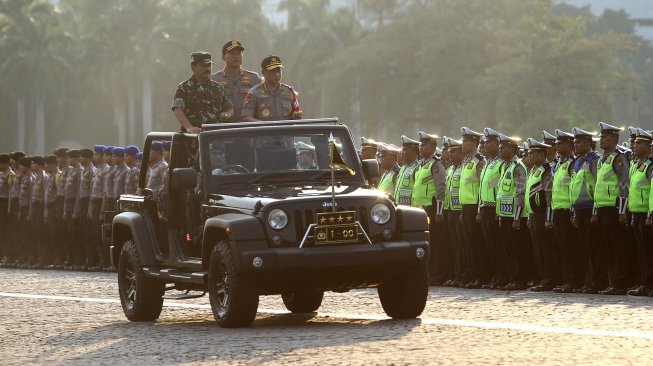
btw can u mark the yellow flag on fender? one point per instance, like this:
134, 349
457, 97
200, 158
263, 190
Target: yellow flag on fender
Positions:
336, 159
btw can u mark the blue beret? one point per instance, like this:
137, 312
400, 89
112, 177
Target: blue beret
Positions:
156, 146
99, 149
139, 156
166, 145
131, 150
108, 150
118, 151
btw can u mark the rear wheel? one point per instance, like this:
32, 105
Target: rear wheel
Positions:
233, 296
141, 297
303, 302
405, 297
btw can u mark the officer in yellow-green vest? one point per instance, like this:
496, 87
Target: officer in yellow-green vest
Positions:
566, 236
388, 155
540, 216
581, 196
487, 204
428, 194
610, 204
406, 180
476, 262
639, 199
512, 216
453, 207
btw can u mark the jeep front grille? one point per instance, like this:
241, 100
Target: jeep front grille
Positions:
303, 219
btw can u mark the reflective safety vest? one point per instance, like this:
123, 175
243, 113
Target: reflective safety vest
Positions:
469, 188
507, 191
581, 187
405, 182
452, 193
387, 182
490, 176
607, 183
535, 197
640, 188
561, 182
424, 189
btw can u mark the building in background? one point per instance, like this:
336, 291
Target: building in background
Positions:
640, 11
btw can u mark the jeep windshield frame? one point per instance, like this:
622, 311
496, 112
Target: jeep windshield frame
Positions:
217, 183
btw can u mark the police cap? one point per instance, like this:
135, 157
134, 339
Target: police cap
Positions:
61, 152
118, 151
131, 150
74, 153
38, 160
4, 158
86, 153
16, 155
271, 62
232, 45
50, 159
98, 149
25, 161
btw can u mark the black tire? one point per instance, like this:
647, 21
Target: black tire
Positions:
405, 297
141, 297
303, 302
233, 296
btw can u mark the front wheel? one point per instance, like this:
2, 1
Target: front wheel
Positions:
141, 297
405, 297
233, 297
303, 302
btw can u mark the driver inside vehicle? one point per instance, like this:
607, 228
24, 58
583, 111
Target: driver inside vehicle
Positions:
218, 160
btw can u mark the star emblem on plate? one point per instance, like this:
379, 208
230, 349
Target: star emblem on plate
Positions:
332, 219
340, 218
322, 220
350, 218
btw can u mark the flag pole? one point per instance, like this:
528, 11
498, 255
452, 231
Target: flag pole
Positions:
332, 146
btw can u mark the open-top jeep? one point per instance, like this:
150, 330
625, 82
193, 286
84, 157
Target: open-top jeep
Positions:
242, 218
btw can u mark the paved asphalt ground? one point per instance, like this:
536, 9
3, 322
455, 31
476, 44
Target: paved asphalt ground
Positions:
74, 318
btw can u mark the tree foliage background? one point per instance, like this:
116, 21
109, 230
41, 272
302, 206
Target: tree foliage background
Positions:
83, 72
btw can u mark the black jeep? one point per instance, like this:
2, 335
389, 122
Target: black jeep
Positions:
244, 217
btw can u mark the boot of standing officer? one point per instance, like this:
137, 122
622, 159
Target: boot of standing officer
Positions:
638, 204
610, 204
565, 233
487, 215
428, 194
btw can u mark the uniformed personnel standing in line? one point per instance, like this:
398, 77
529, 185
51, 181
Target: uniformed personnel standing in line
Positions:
566, 235
57, 218
540, 216
14, 233
476, 263
50, 212
156, 173
109, 201
271, 100
369, 148
404, 187
6, 181
638, 204
199, 99
235, 80
551, 152
120, 176
610, 204
36, 211
71, 189
131, 181
512, 217
24, 201
85, 250
428, 194
452, 208
487, 215
389, 155
95, 203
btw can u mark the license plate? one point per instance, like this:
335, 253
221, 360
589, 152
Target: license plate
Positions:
336, 227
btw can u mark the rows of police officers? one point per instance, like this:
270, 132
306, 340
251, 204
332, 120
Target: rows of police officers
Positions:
549, 215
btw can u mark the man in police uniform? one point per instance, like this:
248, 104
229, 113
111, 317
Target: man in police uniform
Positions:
6, 181
512, 217
156, 173
428, 194
476, 262
109, 174
487, 215
36, 211
639, 198
14, 233
235, 80
50, 212
551, 152
271, 100
452, 209
24, 201
369, 148
581, 194
131, 181
406, 179
71, 189
199, 99
610, 204
306, 156
565, 234
389, 155
84, 250
540, 216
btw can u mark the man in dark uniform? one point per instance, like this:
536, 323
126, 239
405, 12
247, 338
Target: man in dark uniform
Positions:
14, 233
6, 181
57, 217
84, 251
71, 189
199, 99
37, 210
131, 181
25, 243
452, 209
271, 100
235, 80
49, 214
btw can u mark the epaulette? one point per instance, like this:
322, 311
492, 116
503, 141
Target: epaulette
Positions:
290, 87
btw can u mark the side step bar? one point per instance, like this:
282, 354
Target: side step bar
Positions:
174, 275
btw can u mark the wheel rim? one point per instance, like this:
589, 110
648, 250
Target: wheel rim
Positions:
222, 289
129, 286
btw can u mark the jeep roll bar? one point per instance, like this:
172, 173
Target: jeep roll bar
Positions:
222, 126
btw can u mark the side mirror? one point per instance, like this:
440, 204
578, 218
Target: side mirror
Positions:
371, 169
183, 178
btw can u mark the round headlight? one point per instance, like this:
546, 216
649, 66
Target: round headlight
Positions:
380, 214
277, 219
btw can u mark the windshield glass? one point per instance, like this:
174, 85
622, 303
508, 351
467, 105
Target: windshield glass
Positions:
276, 152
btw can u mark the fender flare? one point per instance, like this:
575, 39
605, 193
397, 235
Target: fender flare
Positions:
234, 227
132, 225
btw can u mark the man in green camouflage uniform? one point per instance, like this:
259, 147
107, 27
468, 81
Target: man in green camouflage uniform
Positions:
200, 100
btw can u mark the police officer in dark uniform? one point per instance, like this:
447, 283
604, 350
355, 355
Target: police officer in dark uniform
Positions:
85, 249
14, 233
71, 188
235, 80
6, 181
26, 243
49, 213
57, 218
199, 99
36, 211
271, 100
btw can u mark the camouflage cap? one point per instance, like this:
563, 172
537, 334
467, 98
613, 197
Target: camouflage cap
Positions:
201, 57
